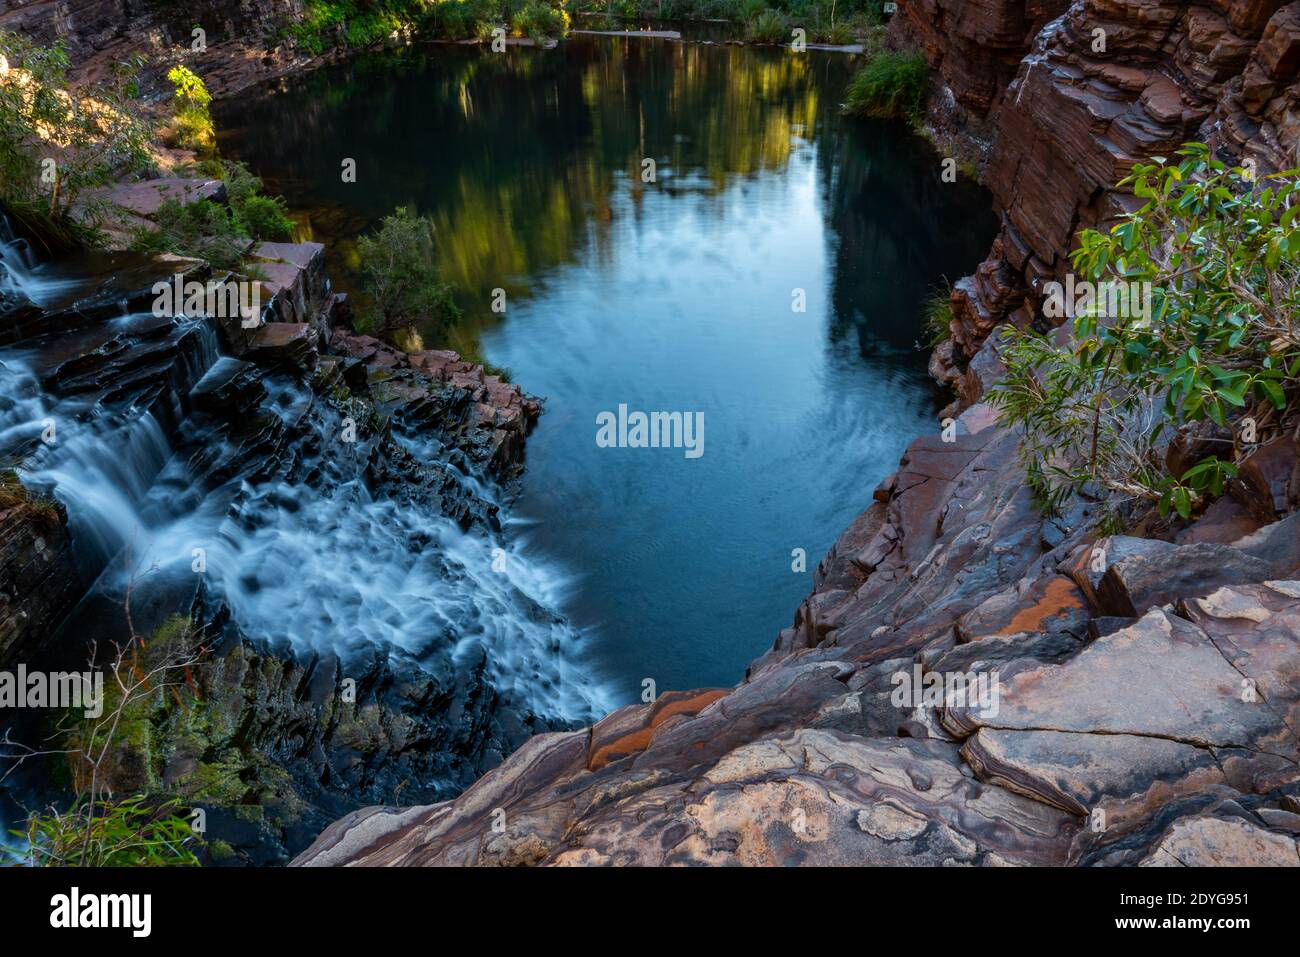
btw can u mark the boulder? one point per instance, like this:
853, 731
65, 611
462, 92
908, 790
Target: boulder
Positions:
282, 343
1155, 573
1268, 481
1222, 842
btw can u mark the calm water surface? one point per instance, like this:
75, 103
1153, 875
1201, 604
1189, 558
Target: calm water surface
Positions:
675, 295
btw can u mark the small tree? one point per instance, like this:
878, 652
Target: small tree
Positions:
190, 109
401, 275
1216, 250
55, 143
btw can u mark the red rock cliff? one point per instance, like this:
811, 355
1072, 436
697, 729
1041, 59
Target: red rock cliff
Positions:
1075, 101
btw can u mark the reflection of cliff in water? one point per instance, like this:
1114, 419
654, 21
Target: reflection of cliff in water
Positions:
894, 219
517, 155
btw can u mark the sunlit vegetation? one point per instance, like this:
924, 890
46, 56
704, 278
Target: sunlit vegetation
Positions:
215, 232
326, 24
893, 84
1211, 360
539, 21
56, 145
765, 21
191, 126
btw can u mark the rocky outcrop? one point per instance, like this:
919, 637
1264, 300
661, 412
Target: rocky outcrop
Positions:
977, 46
242, 43
39, 581
1103, 85
487, 421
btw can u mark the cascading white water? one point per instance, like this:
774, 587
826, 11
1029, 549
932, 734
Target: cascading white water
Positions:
338, 570
21, 275
326, 569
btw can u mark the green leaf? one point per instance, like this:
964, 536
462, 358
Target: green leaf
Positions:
1232, 396
1274, 392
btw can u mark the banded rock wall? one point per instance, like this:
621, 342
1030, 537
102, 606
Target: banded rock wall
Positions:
1073, 117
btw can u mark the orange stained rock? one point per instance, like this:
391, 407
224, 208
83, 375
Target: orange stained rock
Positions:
664, 708
1059, 595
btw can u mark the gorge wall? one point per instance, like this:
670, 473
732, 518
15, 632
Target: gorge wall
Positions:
244, 42
1073, 95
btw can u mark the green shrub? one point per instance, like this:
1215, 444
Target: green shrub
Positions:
459, 19
202, 229
265, 217
539, 21
891, 85
767, 27
319, 19
841, 34
261, 216
401, 276
1216, 355
130, 832
191, 118
938, 318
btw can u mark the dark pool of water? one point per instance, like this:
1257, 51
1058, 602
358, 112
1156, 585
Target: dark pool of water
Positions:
667, 296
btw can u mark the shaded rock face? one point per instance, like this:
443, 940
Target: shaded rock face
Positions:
1081, 107
39, 580
978, 46
1138, 716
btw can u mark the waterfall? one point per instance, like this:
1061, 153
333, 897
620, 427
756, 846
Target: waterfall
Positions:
20, 274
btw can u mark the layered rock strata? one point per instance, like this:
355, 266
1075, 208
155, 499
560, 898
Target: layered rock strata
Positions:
1103, 84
